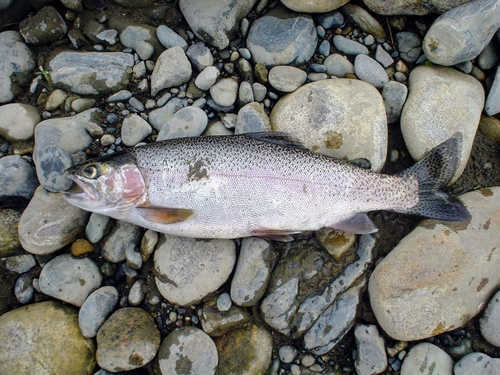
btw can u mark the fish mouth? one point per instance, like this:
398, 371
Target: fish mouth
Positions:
82, 190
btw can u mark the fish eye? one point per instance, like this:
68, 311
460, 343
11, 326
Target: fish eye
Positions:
90, 171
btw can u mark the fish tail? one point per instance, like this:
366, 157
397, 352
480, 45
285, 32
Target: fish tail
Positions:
433, 172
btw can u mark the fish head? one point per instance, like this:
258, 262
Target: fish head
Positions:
110, 184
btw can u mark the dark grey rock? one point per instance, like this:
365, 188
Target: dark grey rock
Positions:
51, 162
18, 178
96, 308
252, 118
200, 56
492, 105
44, 27
348, 46
409, 46
330, 19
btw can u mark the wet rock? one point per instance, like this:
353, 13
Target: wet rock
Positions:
462, 33
490, 321
90, 72
9, 239
334, 322
252, 118
172, 69
51, 162
188, 269
16, 65
411, 7
23, 289
369, 70
188, 350
488, 57
96, 308
217, 323
70, 279
169, 38
18, 121
18, 178
441, 102
427, 358
364, 20
282, 37
128, 340
286, 78
253, 271
314, 6
394, 95
120, 237
72, 134
349, 46
44, 27
244, 351
492, 106
409, 46
134, 130
371, 358
187, 122
215, 22
33, 337
446, 271
298, 295
49, 223
477, 364
348, 117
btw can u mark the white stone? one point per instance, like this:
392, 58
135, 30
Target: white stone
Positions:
18, 121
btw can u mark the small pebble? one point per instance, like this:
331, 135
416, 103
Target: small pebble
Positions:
80, 247
224, 302
287, 353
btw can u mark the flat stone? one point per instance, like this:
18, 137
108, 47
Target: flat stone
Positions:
462, 33
127, 340
409, 46
49, 223
187, 269
349, 46
445, 272
187, 122
16, 65
18, 121
91, 72
44, 27
159, 116
70, 279
338, 66
96, 308
188, 350
440, 103
348, 117
282, 37
172, 69
200, 56
427, 358
215, 22
207, 78
217, 323
394, 95
33, 337
286, 78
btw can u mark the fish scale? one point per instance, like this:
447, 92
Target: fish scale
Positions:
262, 184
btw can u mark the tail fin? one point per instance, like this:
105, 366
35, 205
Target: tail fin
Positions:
433, 172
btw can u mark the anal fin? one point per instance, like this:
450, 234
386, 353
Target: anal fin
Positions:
275, 235
360, 223
165, 215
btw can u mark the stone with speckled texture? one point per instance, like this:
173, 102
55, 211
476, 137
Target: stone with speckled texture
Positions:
441, 274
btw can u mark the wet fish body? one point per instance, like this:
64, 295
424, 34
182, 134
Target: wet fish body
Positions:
260, 184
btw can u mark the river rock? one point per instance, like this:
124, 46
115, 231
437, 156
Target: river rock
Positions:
490, 321
215, 22
217, 323
349, 46
224, 92
252, 118
70, 279
370, 358
477, 364
313, 6
128, 340
445, 272
200, 56
282, 37
441, 102
492, 106
409, 46
207, 78
33, 337
338, 66
49, 223
96, 308
142, 39
462, 33
159, 116
364, 20
91, 72
343, 118
169, 38
411, 7
134, 130
369, 70
172, 69
187, 122
18, 121
51, 162
188, 269
18, 178
120, 237
16, 65
427, 358
244, 351
188, 350
394, 95
286, 78
72, 134
44, 27
253, 271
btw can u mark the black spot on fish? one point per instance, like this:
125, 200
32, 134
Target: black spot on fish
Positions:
197, 170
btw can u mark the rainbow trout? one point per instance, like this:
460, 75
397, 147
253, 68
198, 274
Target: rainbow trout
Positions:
258, 184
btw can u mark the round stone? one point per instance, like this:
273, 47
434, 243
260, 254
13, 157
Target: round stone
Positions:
18, 121
96, 308
428, 359
188, 350
51, 162
128, 340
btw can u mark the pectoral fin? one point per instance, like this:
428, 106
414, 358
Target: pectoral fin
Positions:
275, 235
359, 223
164, 215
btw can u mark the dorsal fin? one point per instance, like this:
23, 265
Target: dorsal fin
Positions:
278, 138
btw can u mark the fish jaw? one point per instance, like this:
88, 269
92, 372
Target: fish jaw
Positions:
84, 195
